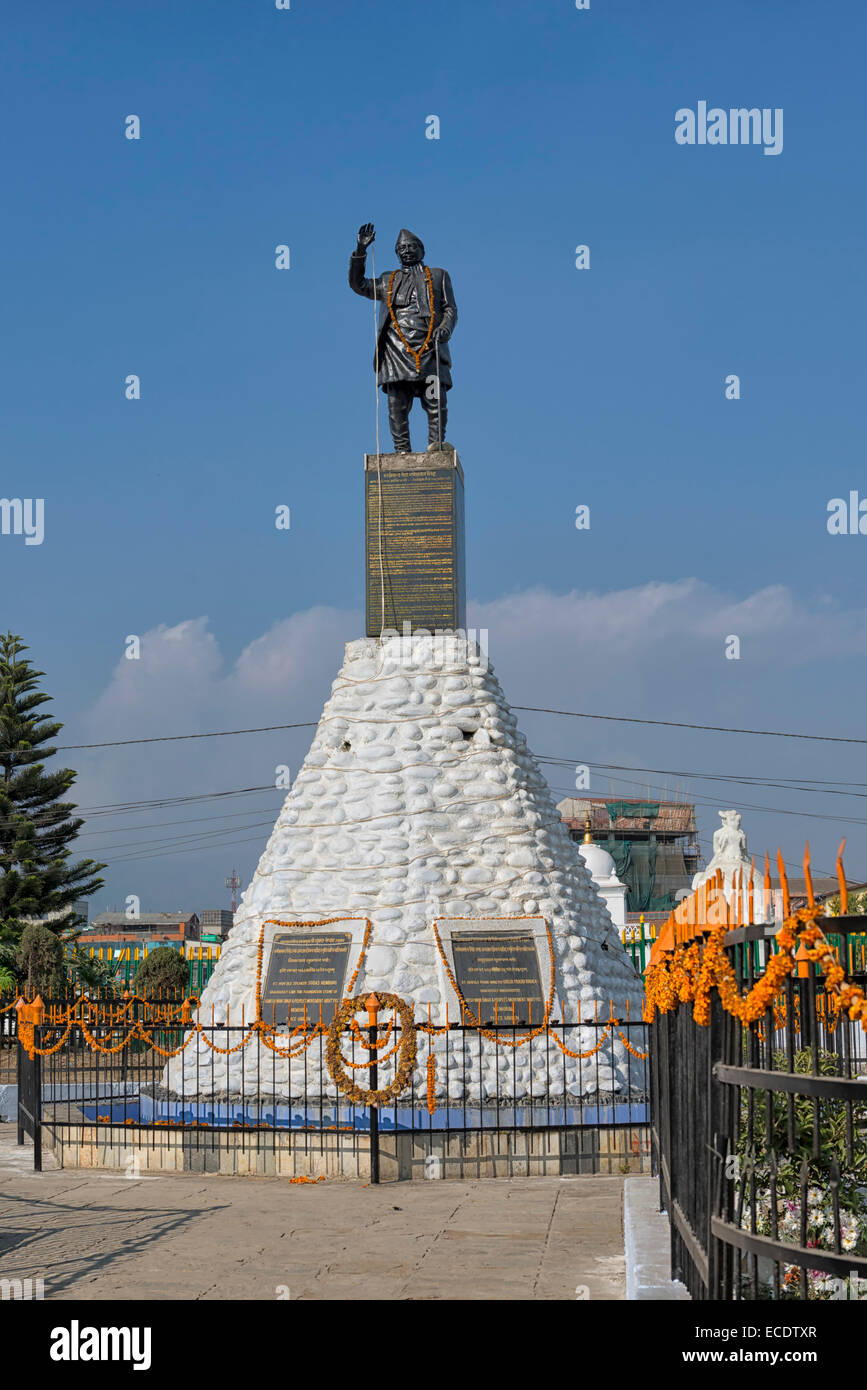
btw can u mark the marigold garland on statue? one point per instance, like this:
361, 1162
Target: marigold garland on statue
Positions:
416, 356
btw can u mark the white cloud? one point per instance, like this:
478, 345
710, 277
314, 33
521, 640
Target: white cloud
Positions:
656, 651
661, 624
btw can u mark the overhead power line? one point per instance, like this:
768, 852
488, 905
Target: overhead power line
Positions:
203, 836
156, 803
175, 738
158, 825
529, 709
190, 849
785, 784
805, 786
678, 724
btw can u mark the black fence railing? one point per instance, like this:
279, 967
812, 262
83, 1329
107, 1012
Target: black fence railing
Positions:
30, 1103
760, 1139
130, 1092
59, 1004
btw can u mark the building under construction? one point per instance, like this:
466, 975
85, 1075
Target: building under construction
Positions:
654, 845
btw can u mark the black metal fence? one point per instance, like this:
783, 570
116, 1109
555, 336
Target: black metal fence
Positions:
93, 1080
760, 1139
30, 1103
105, 997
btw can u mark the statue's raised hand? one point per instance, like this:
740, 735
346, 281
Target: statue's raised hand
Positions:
366, 235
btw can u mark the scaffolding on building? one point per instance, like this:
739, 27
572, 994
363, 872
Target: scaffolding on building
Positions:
654, 845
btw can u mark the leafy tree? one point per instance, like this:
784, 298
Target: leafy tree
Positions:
37, 877
90, 972
9, 957
162, 971
41, 962
857, 904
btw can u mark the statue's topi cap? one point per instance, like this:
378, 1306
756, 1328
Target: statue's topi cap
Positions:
404, 235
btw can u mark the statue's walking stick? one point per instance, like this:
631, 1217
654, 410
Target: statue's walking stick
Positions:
439, 397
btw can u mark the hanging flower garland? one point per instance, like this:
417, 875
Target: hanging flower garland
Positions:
268, 1033
371, 1046
640, 1056
591, 1052
89, 1014
362, 1066
674, 979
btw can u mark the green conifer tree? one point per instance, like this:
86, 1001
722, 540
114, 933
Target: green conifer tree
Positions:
37, 877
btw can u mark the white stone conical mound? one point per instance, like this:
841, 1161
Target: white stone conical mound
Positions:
419, 800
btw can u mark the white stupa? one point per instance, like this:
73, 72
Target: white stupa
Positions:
601, 867
419, 806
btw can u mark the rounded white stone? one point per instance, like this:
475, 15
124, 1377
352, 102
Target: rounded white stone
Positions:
380, 960
392, 934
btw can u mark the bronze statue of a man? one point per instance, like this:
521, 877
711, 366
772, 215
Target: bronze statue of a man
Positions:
416, 319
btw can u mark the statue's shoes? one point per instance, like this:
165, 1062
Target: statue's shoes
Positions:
442, 448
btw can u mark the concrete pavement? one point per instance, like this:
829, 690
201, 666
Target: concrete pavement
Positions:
95, 1235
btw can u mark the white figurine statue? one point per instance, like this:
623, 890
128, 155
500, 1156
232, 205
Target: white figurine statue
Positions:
731, 857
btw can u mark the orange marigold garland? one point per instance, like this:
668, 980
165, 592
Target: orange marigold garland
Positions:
567, 1052
416, 356
431, 1081
674, 978
665, 987
640, 1056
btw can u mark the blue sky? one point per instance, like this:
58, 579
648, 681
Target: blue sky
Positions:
604, 387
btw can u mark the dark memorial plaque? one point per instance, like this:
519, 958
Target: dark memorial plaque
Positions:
422, 542
499, 968
309, 969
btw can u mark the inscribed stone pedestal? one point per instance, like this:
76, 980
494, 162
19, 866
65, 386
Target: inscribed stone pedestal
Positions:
418, 501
